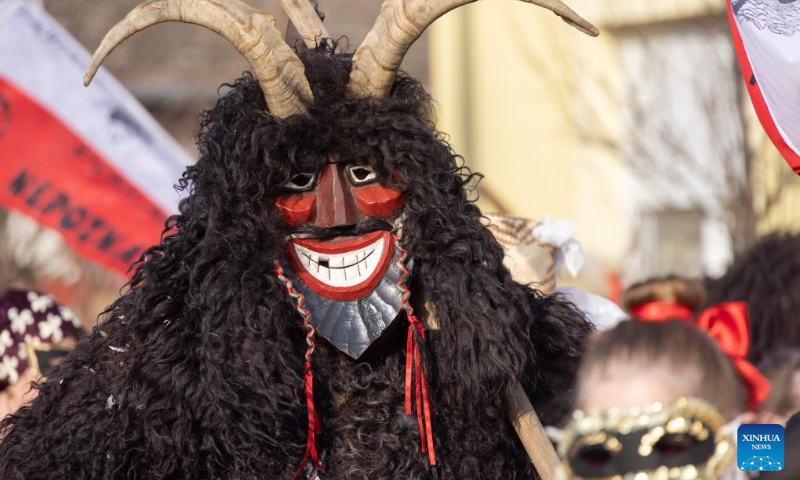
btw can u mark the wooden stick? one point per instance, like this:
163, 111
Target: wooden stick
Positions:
305, 19
531, 433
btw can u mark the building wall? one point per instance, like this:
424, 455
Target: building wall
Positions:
501, 73
539, 108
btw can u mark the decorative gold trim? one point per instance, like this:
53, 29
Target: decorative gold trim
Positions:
685, 416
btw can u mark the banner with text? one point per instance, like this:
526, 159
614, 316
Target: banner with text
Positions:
90, 163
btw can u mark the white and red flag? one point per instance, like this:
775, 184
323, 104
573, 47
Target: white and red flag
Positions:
766, 34
90, 163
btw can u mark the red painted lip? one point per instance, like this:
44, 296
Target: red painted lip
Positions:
344, 246
353, 292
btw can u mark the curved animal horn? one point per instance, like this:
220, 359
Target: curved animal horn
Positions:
400, 23
276, 67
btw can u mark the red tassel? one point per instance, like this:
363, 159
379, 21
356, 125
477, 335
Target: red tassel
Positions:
414, 362
314, 427
414, 359
409, 366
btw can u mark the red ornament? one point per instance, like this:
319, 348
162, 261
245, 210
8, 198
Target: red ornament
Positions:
378, 201
298, 208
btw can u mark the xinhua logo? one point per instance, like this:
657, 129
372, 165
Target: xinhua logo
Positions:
759, 448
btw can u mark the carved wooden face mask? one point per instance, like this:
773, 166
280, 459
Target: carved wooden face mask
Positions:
343, 257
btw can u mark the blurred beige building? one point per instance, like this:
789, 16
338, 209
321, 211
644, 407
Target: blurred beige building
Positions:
644, 136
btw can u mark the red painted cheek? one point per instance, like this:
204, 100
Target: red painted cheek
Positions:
298, 208
378, 201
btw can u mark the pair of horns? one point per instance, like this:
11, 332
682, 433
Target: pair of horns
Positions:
276, 66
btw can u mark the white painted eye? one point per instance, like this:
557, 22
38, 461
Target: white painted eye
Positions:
300, 182
361, 174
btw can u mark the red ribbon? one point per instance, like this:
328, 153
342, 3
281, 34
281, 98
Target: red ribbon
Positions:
729, 325
415, 368
314, 427
662, 311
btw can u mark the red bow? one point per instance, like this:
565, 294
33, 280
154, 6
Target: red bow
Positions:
729, 325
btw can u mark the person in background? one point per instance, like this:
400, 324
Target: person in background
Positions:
767, 277
662, 395
782, 369
791, 445
664, 297
35, 332
644, 377
679, 299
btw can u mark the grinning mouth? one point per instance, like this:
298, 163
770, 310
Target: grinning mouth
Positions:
345, 269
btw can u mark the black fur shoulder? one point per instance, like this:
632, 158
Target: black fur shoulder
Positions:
559, 332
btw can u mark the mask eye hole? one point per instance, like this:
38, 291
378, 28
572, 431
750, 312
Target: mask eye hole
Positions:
361, 174
672, 445
595, 455
301, 182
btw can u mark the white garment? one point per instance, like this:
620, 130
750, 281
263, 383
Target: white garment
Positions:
602, 312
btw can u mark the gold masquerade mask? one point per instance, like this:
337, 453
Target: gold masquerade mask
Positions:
684, 440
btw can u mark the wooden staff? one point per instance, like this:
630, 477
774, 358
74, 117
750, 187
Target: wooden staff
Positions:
531, 433
304, 22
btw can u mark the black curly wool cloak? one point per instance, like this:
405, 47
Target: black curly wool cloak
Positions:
197, 371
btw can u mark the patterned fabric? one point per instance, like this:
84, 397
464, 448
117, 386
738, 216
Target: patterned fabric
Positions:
529, 260
536, 251
29, 317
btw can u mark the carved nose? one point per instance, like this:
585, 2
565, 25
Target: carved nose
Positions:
335, 203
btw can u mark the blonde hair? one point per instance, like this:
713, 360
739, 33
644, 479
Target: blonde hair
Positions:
670, 289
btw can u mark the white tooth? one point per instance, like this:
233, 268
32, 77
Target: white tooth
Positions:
344, 270
372, 260
337, 277
302, 254
352, 273
324, 273
337, 261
